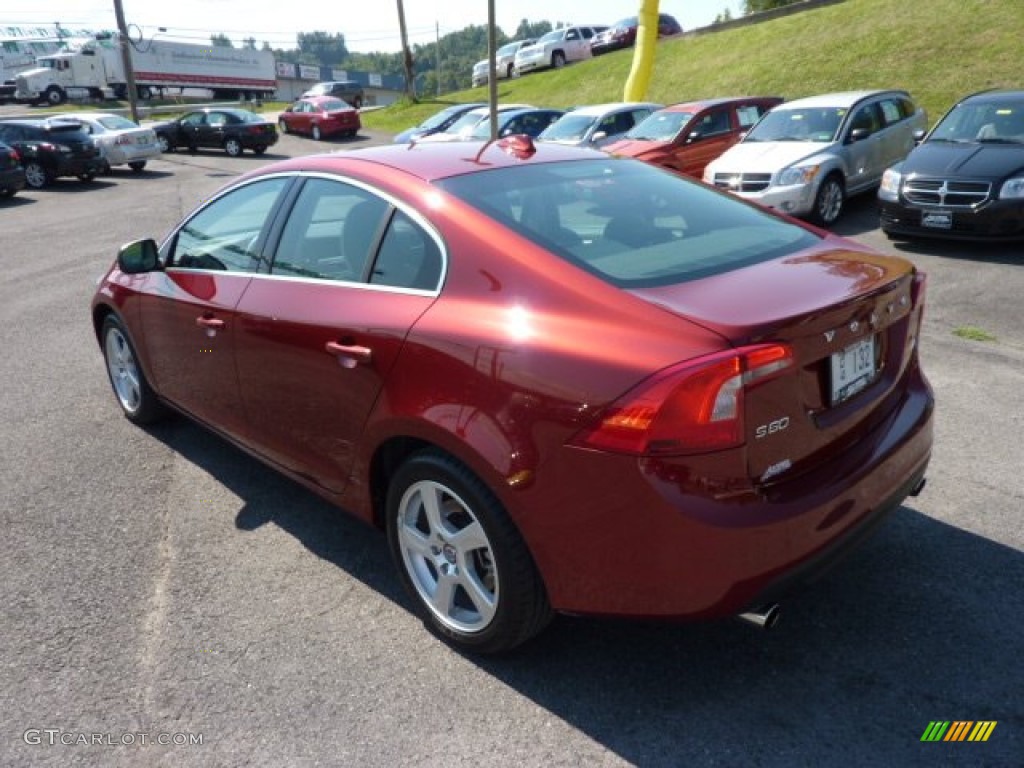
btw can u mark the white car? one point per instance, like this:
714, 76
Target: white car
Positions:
806, 157
504, 63
598, 124
121, 142
462, 128
556, 49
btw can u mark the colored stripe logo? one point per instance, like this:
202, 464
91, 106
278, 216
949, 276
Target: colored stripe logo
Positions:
958, 730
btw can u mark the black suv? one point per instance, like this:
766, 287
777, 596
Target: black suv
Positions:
52, 147
349, 90
966, 178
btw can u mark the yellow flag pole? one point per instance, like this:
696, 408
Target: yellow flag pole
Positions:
643, 53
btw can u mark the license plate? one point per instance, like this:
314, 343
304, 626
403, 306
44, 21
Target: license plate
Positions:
937, 219
853, 369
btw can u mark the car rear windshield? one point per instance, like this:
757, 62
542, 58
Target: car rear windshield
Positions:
629, 223
116, 123
335, 105
62, 126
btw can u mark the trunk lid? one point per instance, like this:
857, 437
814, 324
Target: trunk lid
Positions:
851, 320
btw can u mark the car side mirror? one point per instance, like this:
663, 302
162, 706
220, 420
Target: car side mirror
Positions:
919, 136
695, 136
598, 136
138, 257
859, 134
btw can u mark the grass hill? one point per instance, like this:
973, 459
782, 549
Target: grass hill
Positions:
938, 50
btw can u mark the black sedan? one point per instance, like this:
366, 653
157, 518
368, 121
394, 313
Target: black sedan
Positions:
233, 130
12, 175
966, 178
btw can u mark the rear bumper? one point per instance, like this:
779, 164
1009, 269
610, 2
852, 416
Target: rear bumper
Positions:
12, 179
680, 539
76, 166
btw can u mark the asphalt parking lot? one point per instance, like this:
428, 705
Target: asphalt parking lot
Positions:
162, 586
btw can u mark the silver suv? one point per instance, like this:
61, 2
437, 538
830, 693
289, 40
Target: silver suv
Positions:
806, 157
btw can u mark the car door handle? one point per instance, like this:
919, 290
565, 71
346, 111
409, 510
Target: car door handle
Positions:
209, 322
349, 355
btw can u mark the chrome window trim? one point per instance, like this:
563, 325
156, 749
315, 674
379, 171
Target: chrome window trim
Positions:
394, 202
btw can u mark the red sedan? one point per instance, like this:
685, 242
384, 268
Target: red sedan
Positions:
320, 117
559, 381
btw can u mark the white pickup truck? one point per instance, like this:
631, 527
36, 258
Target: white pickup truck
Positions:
556, 49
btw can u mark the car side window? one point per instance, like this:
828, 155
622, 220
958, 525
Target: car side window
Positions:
572, 34
866, 118
225, 234
408, 256
196, 118
891, 111
748, 114
713, 123
331, 233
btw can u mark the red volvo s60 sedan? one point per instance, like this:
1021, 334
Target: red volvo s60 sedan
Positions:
559, 380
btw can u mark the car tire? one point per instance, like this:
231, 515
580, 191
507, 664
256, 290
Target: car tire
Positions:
461, 558
87, 176
357, 103
282, 126
828, 203
557, 59
138, 402
8, 193
36, 175
137, 165
315, 133
510, 71
259, 150
233, 147
164, 142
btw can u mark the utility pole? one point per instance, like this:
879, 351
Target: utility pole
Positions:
492, 81
410, 85
126, 59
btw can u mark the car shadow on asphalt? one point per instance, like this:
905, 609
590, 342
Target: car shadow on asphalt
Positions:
1011, 254
921, 623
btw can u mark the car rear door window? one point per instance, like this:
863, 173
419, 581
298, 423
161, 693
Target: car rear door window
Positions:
226, 234
331, 233
408, 256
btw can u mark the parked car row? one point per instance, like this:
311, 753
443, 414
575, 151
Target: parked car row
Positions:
566, 44
805, 158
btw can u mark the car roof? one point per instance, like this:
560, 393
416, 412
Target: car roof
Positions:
319, 99
430, 162
696, 106
613, 106
842, 99
486, 110
994, 96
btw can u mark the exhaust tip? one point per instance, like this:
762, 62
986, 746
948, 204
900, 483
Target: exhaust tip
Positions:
763, 617
916, 490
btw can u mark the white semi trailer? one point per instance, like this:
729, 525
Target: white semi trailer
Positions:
97, 65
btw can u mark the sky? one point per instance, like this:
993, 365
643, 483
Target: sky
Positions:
371, 25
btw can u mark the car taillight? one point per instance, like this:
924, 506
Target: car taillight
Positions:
15, 156
692, 407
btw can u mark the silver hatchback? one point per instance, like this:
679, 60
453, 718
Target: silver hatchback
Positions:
806, 157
